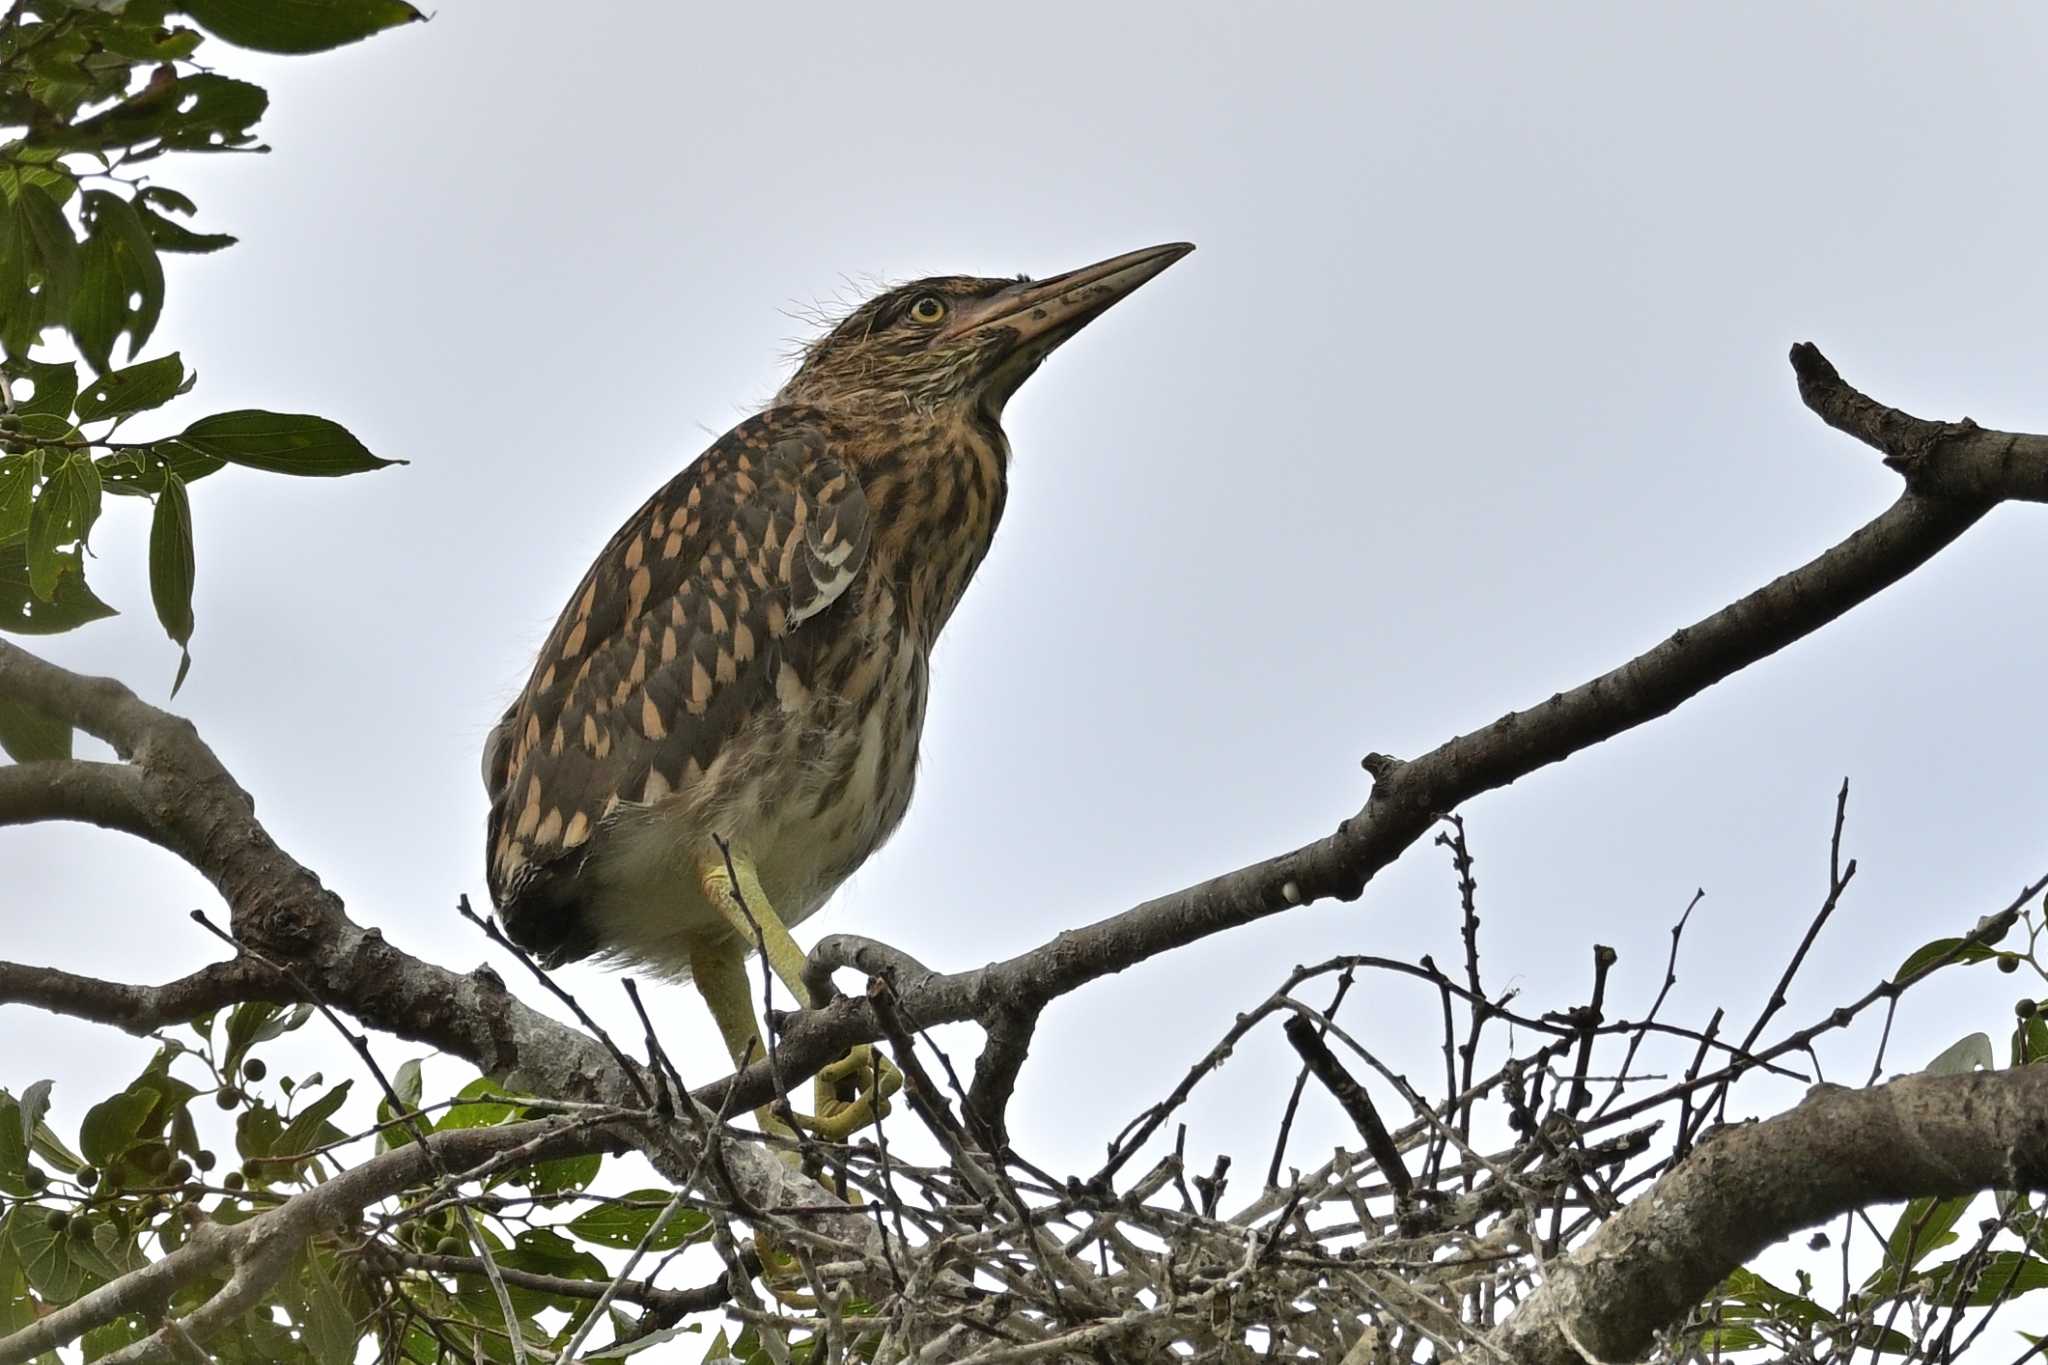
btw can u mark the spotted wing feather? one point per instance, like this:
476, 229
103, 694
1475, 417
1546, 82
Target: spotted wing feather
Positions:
670, 643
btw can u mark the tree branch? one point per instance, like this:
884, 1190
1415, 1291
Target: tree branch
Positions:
140, 1009
1749, 1186
261, 1248
278, 907
674, 1304
1955, 473
105, 794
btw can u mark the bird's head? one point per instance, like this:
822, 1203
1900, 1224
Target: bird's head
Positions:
955, 340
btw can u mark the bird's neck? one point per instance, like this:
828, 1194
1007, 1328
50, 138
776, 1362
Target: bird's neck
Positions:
936, 485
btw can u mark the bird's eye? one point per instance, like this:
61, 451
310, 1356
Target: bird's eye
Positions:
928, 308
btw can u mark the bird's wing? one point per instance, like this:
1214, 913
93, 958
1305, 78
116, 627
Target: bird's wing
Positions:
669, 644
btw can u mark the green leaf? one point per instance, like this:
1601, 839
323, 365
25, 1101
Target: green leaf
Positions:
548, 1252
28, 734
18, 476
1926, 1225
121, 287
141, 473
1956, 951
110, 1337
137, 388
70, 606
1971, 1053
473, 1111
281, 442
17, 1308
295, 26
45, 1256
257, 1129
174, 236
258, 1021
200, 113
2030, 1040
1721, 1340
21, 313
35, 1102
150, 42
2000, 1275
309, 1127
221, 115
175, 200
1762, 1299
99, 307
409, 1085
44, 426
53, 386
171, 569
13, 1148
55, 245
140, 268
112, 1124
564, 1175
328, 1325
63, 514
622, 1225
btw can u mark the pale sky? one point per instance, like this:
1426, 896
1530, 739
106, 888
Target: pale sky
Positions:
1475, 387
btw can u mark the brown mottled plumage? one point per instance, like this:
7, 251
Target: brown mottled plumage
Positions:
746, 661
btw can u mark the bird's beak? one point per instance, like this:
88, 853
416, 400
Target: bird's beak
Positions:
1040, 314
1028, 319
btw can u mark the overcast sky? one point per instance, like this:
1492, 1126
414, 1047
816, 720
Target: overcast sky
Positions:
1475, 387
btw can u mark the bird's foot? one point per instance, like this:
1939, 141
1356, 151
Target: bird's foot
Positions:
852, 1093
782, 1274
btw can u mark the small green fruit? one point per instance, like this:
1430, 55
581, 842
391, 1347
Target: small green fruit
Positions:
227, 1097
254, 1069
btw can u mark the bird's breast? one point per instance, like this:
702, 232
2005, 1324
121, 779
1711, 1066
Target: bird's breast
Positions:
816, 783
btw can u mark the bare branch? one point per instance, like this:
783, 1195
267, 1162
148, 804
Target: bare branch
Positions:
1323, 1064
139, 1009
1749, 1186
105, 794
676, 1302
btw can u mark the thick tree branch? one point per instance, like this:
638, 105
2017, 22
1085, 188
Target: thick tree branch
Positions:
1749, 1186
104, 794
140, 1009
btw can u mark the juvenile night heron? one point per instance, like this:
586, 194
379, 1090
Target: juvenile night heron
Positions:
724, 722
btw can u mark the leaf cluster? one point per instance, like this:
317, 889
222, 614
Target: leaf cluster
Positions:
94, 97
147, 1164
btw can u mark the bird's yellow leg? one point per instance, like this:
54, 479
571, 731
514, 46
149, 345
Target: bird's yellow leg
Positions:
852, 1092
719, 968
